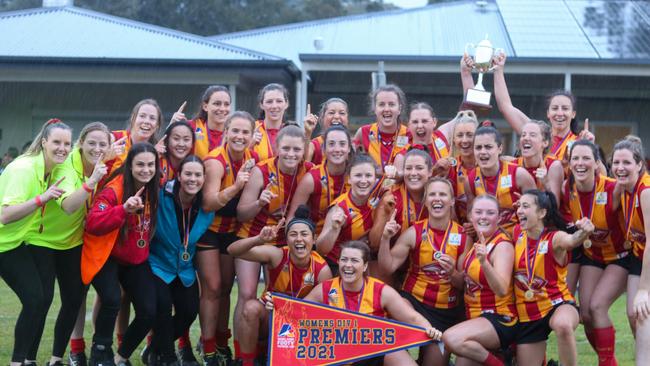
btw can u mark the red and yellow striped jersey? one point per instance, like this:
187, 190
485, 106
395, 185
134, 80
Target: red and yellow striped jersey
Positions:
503, 187
205, 139
358, 222
457, 176
166, 170
438, 149
284, 187
317, 144
265, 149
548, 160
479, 297
367, 301
425, 278
547, 278
327, 188
607, 239
408, 211
633, 216
225, 219
561, 146
381, 147
291, 280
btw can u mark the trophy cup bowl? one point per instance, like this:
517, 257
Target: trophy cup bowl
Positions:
477, 98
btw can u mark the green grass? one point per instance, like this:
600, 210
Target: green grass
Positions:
9, 307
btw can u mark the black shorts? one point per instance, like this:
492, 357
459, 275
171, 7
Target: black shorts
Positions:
211, 240
538, 330
505, 326
636, 264
621, 262
576, 255
373, 361
441, 319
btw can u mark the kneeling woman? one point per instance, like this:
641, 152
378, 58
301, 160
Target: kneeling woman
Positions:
115, 252
293, 270
181, 222
434, 246
367, 295
489, 303
542, 296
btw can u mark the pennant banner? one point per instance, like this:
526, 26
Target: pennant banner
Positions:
305, 333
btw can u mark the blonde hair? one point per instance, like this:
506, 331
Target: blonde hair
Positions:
46, 130
462, 117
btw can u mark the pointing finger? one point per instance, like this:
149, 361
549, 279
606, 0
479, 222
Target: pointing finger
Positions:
308, 109
392, 215
182, 107
280, 223
586, 124
481, 237
162, 139
139, 192
100, 160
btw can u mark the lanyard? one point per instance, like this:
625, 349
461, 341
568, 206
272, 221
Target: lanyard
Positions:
431, 242
530, 267
592, 200
302, 282
485, 187
359, 297
629, 210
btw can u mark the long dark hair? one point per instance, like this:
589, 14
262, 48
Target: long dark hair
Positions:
546, 200
205, 98
177, 183
151, 188
594, 151
565, 93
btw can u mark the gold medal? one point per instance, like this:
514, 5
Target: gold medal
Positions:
141, 243
627, 244
185, 256
587, 244
453, 161
437, 255
529, 294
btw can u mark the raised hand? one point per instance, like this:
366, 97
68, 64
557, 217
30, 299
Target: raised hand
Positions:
257, 136
480, 248
98, 172
310, 122
134, 203
160, 146
53, 191
541, 173
242, 178
179, 115
338, 219
117, 148
392, 227
585, 134
267, 234
266, 196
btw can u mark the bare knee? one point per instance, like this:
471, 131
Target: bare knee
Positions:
453, 340
563, 330
252, 311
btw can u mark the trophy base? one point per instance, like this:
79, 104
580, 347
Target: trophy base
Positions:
478, 101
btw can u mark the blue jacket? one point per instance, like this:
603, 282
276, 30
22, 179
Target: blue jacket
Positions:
167, 245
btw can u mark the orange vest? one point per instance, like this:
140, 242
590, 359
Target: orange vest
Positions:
354, 228
265, 148
297, 282
634, 230
97, 248
561, 147
504, 188
608, 239
326, 190
367, 302
534, 259
407, 210
317, 158
425, 279
383, 154
202, 143
223, 224
479, 297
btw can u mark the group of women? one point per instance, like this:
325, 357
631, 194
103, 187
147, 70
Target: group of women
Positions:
426, 224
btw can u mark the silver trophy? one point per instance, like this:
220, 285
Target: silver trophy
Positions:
478, 97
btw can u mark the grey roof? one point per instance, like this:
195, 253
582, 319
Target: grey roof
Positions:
441, 29
543, 29
71, 32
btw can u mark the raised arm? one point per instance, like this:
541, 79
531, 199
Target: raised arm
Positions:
77, 198
301, 197
498, 268
331, 229
253, 198
14, 212
254, 249
466, 65
390, 259
525, 181
516, 118
642, 299
380, 219
563, 242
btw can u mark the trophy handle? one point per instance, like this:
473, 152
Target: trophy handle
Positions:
497, 51
469, 45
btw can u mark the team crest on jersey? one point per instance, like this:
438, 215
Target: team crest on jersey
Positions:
198, 133
637, 236
309, 279
471, 286
506, 182
601, 198
521, 281
286, 336
102, 206
333, 296
402, 141
435, 271
273, 179
439, 144
371, 136
323, 181
454, 239
477, 182
543, 247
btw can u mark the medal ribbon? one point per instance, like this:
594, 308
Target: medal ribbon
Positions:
556, 148
530, 267
408, 200
330, 185
360, 296
186, 227
593, 201
141, 218
629, 210
302, 283
280, 183
444, 239
392, 146
472, 252
485, 187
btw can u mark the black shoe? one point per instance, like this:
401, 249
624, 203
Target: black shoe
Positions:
56, 363
237, 362
168, 360
101, 355
144, 354
212, 360
225, 355
77, 359
185, 357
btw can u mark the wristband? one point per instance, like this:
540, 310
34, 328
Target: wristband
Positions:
86, 188
39, 203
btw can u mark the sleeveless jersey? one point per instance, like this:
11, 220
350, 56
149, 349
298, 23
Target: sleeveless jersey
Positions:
437, 150
548, 161
383, 152
457, 176
297, 282
560, 146
608, 239
317, 143
203, 142
327, 188
425, 278
265, 148
503, 187
368, 302
408, 212
354, 228
284, 187
547, 277
225, 219
634, 230
166, 170
479, 297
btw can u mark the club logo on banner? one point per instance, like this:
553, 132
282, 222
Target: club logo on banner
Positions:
305, 333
